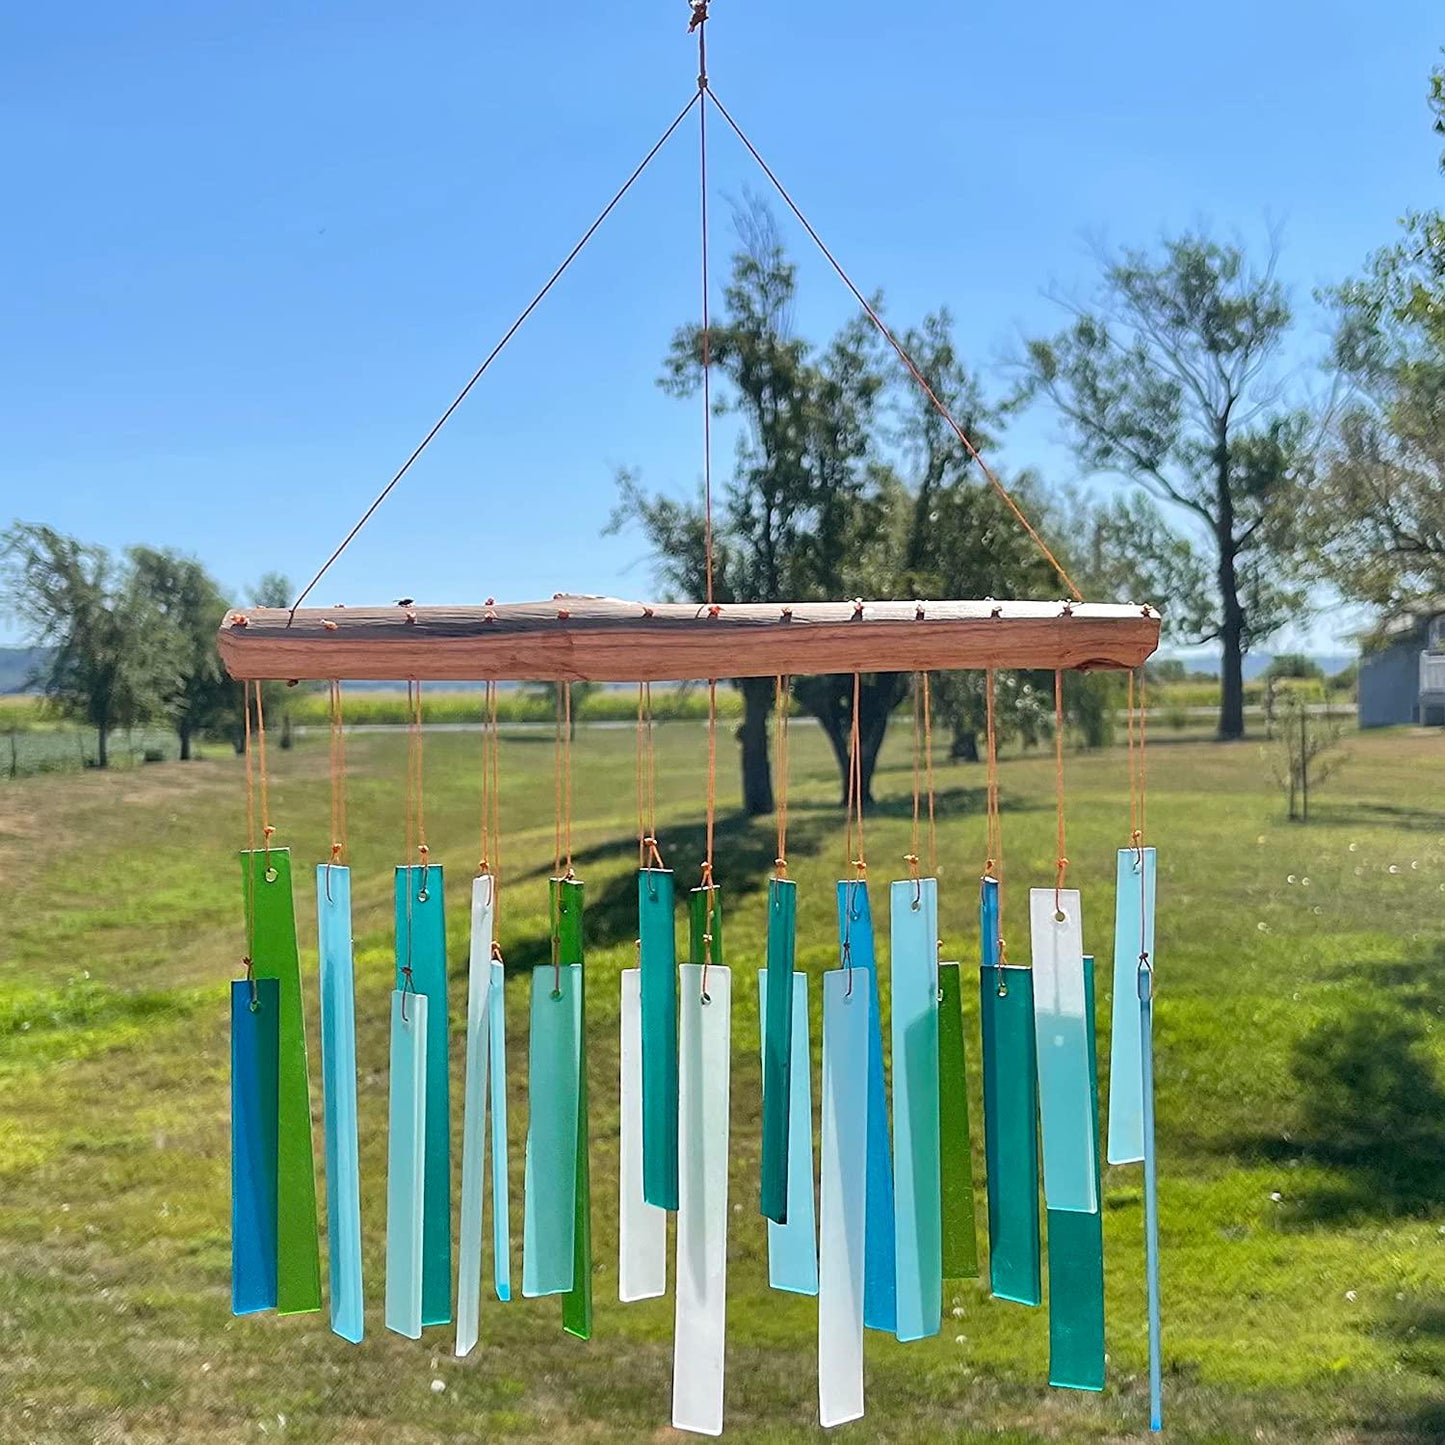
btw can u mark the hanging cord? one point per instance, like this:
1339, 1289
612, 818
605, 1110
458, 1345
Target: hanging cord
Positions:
857, 860
1063, 862
781, 702
911, 857
993, 863
707, 863
266, 829
903, 356
415, 827
496, 351
248, 962
562, 776
928, 776
649, 853
490, 860
338, 783
1138, 791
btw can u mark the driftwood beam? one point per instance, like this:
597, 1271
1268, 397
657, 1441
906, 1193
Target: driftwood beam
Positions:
602, 639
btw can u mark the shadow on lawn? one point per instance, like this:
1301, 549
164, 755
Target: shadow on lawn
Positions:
1330, 813
1415, 1327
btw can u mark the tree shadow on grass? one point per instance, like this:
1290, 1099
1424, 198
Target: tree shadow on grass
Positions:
955, 802
1415, 1328
1331, 813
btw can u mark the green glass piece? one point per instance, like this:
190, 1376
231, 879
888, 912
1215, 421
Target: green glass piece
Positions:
960, 1236
1011, 1132
657, 959
1076, 1260
271, 934
568, 897
702, 921
778, 1048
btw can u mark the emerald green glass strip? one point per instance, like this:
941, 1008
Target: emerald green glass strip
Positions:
271, 935
1076, 1259
568, 896
778, 1047
657, 960
960, 1235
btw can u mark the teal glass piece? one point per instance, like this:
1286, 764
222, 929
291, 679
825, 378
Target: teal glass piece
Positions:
793, 1245
406, 1164
255, 1042
1133, 936
960, 1236
1076, 1262
880, 1285
501, 1206
421, 942
553, 1077
777, 1016
917, 1168
338, 1093
1010, 1117
657, 959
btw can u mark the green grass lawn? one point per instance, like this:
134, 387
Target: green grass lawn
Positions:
1303, 1231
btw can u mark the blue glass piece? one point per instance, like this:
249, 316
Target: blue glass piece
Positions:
406, 1164
1133, 935
1151, 1201
255, 1050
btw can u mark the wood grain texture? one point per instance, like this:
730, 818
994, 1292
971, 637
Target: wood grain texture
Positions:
602, 639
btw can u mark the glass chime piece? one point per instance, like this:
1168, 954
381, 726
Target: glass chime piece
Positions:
474, 1108
777, 1015
1076, 1262
641, 1227
702, 1215
1151, 1201
1063, 1037
254, 1045
657, 959
793, 1246
338, 1093
1133, 935
406, 1165
553, 1067
843, 1198
421, 941
917, 1170
855, 932
960, 1238
568, 897
271, 919
501, 1208
1010, 1116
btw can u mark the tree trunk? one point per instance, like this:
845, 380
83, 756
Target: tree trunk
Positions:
184, 734
758, 698
1231, 631
102, 746
1231, 701
965, 746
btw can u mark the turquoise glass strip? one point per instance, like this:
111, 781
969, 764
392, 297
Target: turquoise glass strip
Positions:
421, 941
657, 958
917, 1170
1133, 935
777, 1031
255, 1045
793, 1246
1076, 1262
553, 1066
338, 1092
855, 933
406, 1164
501, 1217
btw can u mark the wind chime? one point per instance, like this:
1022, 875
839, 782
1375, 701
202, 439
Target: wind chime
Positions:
894, 1211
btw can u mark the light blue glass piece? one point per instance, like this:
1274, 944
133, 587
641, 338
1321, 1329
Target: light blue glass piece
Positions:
917, 1161
793, 1247
553, 1080
1151, 1201
1063, 1037
474, 1111
855, 933
255, 1049
421, 941
338, 1091
1133, 935
406, 1164
501, 1204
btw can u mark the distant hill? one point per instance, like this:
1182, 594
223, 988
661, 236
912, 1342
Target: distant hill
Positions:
16, 666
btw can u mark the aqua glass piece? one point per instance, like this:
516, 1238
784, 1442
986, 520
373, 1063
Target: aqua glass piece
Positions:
960, 1233
641, 1227
338, 1094
855, 934
501, 1207
568, 897
793, 1246
1133, 935
421, 941
255, 1039
406, 1164
553, 1064
1151, 1201
777, 1031
843, 1198
1076, 1262
1063, 1035
917, 1170
271, 934
474, 1110
657, 958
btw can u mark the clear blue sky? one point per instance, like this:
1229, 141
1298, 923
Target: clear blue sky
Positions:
251, 251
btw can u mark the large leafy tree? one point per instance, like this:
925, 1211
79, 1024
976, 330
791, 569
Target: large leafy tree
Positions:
1166, 379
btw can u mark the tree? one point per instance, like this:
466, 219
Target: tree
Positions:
110, 655
1302, 743
1165, 381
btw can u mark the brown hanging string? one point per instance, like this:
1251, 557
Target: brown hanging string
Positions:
562, 776
928, 776
338, 783
248, 962
707, 862
911, 857
857, 860
490, 861
649, 852
781, 704
1138, 791
266, 829
1063, 862
993, 863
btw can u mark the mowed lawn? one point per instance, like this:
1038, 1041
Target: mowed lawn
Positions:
1304, 1259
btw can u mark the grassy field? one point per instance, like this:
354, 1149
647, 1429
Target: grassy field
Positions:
1300, 1048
